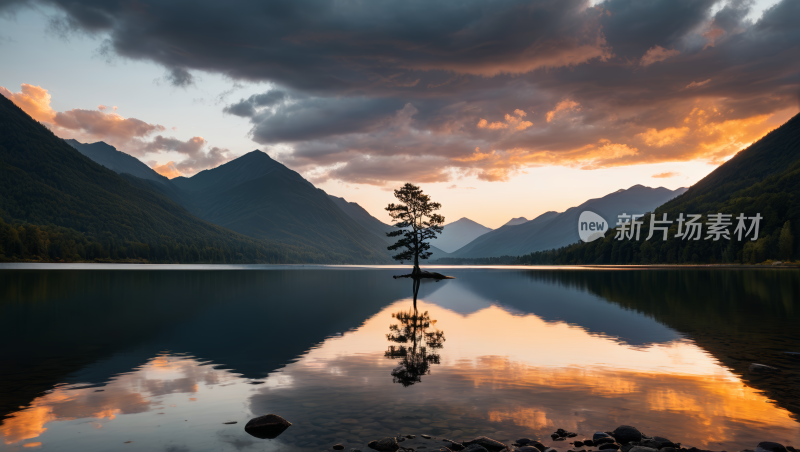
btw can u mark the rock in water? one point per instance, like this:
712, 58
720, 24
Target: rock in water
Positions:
523, 441
268, 426
598, 435
643, 449
487, 443
537, 445
609, 446
338, 447
625, 434
475, 448
588, 443
384, 445
756, 368
603, 440
528, 449
767, 446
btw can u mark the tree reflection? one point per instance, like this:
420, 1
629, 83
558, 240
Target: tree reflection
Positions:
417, 344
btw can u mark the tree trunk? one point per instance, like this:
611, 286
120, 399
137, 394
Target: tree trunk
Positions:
416, 270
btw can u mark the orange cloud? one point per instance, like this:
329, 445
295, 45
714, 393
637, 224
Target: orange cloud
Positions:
33, 100
666, 175
484, 124
656, 54
564, 105
514, 122
656, 138
167, 170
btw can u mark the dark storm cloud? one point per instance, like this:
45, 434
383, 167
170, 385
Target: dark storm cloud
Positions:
367, 89
247, 107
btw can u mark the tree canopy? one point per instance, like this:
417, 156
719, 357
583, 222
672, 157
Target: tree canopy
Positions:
417, 223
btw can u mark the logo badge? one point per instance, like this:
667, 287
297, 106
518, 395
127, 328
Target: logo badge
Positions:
591, 226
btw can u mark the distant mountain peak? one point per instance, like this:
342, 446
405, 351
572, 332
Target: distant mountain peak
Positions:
465, 220
516, 221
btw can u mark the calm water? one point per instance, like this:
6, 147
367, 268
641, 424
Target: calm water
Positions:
158, 360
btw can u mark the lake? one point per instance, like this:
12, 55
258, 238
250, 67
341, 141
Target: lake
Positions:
159, 358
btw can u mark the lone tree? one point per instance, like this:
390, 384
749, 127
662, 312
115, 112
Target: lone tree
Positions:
414, 215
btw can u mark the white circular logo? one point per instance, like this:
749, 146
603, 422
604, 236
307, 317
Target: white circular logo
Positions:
591, 226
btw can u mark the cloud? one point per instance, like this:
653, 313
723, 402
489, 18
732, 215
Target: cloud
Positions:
179, 77
247, 107
564, 105
167, 170
659, 138
197, 159
666, 175
84, 124
34, 100
656, 54
128, 135
697, 84
372, 92
513, 122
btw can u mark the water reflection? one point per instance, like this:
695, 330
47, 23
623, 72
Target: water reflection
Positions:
415, 358
527, 352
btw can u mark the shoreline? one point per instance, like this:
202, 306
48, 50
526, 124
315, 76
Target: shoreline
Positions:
624, 438
36, 265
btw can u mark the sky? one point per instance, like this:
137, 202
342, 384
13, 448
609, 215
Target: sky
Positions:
497, 109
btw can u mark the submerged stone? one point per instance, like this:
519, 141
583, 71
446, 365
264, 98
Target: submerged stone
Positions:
268, 426
488, 443
475, 448
384, 445
625, 434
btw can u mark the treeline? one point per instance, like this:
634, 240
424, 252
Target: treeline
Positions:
779, 245
25, 242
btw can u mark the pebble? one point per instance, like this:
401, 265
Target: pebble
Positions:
338, 447
609, 446
578, 444
598, 435
425, 436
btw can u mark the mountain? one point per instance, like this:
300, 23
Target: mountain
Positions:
359, 214
261, 198
504, 240
117, 161
763, 179
554, 230
376, 226
459, 233
57, 204
516, 221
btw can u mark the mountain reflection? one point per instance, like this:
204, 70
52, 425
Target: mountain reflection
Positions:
528, 351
